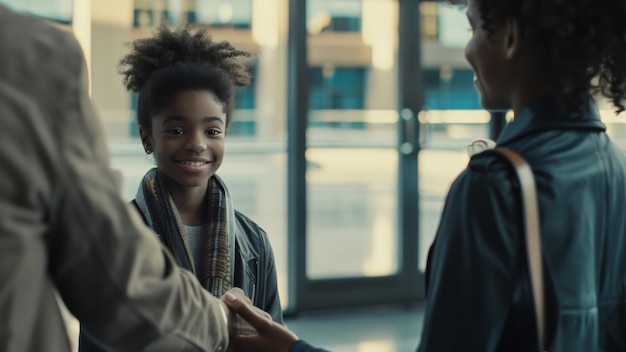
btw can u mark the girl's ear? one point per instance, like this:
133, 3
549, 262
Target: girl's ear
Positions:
513, 37
146, 140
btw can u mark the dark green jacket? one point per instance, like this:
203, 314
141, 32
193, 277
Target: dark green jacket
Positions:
478, 296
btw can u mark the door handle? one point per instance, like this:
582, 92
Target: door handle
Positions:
408, 132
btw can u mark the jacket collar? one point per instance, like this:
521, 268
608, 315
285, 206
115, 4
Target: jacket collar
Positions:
237, 238
544, 115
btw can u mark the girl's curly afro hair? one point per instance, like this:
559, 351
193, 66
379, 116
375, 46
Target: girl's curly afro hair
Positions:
584, 42
176, 59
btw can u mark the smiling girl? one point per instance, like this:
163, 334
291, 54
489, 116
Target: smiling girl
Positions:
186, 85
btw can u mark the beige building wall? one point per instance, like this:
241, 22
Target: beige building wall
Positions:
111, 29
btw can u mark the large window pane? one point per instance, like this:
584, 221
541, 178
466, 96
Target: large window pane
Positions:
352, 159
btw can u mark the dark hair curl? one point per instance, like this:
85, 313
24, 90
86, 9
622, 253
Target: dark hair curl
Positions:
176, 59
584, 42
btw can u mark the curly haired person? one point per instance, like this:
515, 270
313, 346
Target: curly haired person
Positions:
186, 86
546, 61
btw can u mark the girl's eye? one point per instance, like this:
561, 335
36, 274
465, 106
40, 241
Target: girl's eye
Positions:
213, 132
175, 131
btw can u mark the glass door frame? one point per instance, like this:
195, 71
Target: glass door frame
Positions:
407, 284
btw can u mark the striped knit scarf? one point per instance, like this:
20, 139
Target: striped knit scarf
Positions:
216, 271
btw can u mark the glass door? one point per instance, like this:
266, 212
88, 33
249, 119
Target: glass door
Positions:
354, 77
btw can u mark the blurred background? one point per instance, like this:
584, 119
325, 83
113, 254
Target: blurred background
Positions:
342, 148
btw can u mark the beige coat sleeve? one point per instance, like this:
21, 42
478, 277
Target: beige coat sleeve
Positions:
110, 270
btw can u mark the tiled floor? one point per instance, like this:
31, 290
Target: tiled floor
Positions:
386, 329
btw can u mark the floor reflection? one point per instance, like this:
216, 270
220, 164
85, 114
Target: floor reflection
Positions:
369, 330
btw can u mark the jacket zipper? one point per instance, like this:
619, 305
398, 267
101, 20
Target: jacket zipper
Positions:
253, 293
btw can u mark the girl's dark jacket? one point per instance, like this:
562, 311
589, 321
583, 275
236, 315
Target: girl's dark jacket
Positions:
254, 267
478, 295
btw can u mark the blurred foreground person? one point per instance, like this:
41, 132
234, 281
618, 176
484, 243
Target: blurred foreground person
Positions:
544, 60
65, 231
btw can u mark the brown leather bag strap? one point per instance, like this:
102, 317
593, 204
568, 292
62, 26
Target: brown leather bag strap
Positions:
533, 236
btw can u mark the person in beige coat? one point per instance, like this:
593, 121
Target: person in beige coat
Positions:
65, 231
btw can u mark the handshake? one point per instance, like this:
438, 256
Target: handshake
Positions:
252, 329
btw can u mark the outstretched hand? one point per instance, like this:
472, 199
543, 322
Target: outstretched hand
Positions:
270, 336
236, 324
